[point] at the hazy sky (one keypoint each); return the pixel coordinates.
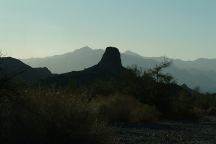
(175, 28)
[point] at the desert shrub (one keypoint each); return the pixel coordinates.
(205, 103)
(101, 87)
(182, 107)
(119, 108)
(50, 116)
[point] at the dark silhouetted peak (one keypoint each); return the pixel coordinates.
(44, 70)
(11, 67)
(110, 67)
(111, 59)
(11, 64)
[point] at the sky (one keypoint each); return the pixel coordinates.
(184, 29)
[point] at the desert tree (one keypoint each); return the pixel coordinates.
(157, 72)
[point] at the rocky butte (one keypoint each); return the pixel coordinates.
(109, 67)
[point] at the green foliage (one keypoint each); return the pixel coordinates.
(157, 72)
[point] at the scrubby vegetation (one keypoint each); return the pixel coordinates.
(138, 90)
(51, 116)
(84, 114)
(119, 108)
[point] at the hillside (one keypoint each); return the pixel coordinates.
(15, 69)
(100, 103)
(199, 73)
(109, 67)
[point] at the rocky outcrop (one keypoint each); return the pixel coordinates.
(111, 59)
(109, 67)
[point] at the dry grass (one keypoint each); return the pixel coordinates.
(120, 108)
(50, 116)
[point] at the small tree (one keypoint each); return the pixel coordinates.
(157, 74)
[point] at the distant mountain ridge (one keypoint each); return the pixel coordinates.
(73, 61)
(198, 73)
(109, 67)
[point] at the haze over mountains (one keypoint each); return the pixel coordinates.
(108, 68)
(198, 73)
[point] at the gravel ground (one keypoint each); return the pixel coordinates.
(203, 132)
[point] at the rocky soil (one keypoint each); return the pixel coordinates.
(203, 132)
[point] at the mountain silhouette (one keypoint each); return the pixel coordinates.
(73, 61)
(11, 68)
(109, 67)
(111, 60)
(83, 58)
(198, 73)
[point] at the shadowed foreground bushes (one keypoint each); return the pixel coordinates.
(77, 114)
(151, 92)
(48, 116)
(120, 108)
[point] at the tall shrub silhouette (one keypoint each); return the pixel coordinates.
(51, 116)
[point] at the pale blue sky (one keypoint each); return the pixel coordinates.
(175, 28)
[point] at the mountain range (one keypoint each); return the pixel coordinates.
(198, 73)
(108, 68)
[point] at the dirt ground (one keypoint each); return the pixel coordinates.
(170, 132)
